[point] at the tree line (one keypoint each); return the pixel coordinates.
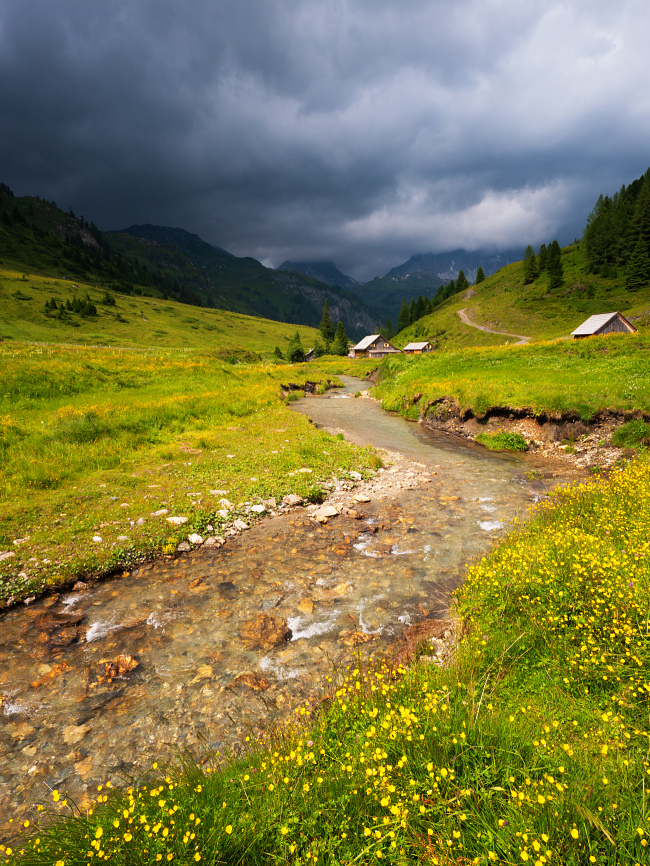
(617, 234)
(549, 260)
(335, 341)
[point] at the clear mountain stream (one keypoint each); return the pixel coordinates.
(97, 684)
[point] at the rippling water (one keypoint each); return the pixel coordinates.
(73, 714)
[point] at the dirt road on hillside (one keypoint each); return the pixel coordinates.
(466, 320)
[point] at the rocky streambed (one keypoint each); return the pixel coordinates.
(212, 645)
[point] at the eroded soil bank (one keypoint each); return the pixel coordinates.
(566, 437)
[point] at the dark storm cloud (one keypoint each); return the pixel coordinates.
(359, 130)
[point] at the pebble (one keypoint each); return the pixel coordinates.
(258, 509)
(177, 521)
(97, 538)
(6, 554)
(195, 538)
(158, 513)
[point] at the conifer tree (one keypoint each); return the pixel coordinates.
(326, 324)
(295, 352)
(388, 332)
(420, 307)
(412, 312)
(461, 282)
(480, 275)
(530, 269)
(529, 253)
(340, 344)
(637, 273)
(404, 319)
(554, 266)
(543, 255)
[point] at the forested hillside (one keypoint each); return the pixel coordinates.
(617, 235)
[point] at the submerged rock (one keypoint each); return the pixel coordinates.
(253, 681)
(265, 631)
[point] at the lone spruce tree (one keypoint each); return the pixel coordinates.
(326, 325)
(461, 282)
(480, 275)
(340, 344)
(295, 352)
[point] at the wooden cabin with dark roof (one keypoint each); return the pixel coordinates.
(373, 346)
(604, 323)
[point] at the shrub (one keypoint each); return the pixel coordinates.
(632, 434)
(503, 441)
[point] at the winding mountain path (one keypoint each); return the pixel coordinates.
(521, 341)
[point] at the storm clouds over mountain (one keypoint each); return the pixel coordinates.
(358, 131)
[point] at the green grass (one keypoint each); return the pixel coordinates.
(632, 434)
(549, 378)
(502, 441)
(530, 746)
(94, 440)
(134, 321)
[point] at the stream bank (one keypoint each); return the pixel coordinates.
(563, 437)
(219, 643)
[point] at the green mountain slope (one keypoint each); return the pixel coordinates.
(128, 320)
(239, 284)
(37, 237)
(504, 303)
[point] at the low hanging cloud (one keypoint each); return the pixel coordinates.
(357, 130)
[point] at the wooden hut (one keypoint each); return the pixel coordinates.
(604, 323)
(373, 346)
(418, 348)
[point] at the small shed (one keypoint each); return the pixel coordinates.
(604, 323)
(418, 348)
(373, 346)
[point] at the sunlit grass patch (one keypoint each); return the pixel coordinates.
(547, 378)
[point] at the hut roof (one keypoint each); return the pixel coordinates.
(414, 347)
(367, 341)
(594, 323)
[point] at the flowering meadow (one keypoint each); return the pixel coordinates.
(531, 746)
(98, 446)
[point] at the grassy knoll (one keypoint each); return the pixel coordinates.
(502, 302)
(133, 320)
(581, 376)
(96, 440)
(531, 746)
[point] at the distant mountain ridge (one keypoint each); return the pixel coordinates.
(447, 266)
(422, 274)
(326, 272)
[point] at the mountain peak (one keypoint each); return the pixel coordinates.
(326, 272)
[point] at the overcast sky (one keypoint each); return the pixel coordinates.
(355, 130)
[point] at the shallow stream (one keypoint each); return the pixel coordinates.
(75, 710)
